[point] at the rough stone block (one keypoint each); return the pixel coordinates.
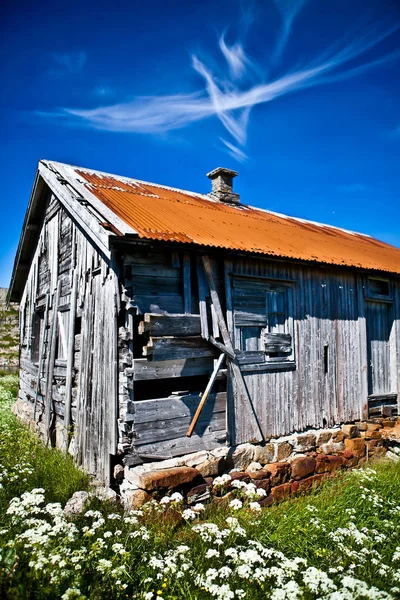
(323, 438)
(302, 466)
(304, 443)
(351, 431)
(134, 499)
(262, 474)
(264, 454)
(241, 456)
(332, 447)
(166, 479)
(283, 450)
(212, 466)
(253, 468)
(362, 425)
(192, 460)
(374, 426)
(373, 435)
(321, 464)
(297, 487)
(338, 436)
(264, 484)
(280, 492)
(279, 473)
(356, 446)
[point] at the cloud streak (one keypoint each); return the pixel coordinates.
(231, 98)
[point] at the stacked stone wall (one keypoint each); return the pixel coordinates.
(282, 467)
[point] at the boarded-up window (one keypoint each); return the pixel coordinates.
(263, 320)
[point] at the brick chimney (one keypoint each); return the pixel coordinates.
(222, 185)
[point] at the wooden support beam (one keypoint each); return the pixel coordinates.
(221, 347)
(205, 395)
(187, 290)
(202, 300)
(51, 363)
(70, 359)
(43, 342)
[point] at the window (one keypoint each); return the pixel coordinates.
(37, 335)
(263, 322)
(378, 288)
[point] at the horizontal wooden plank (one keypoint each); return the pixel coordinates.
(250, 357)
(172, 429)
(146, 411)
(144, 369)
(170, 348)
(184, 445)
(179, 325)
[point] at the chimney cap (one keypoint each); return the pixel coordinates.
(221, 171)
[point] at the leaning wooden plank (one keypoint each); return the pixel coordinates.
(179, 325)
(221, 347)
(70, 358)
(205, 395)
(170, 348)
(144, 369)
(42, 354)
(51, 362)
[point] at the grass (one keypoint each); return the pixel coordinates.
(340, 542)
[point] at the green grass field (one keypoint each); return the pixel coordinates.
(340, 542)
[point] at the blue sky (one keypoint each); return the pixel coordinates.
(302, 98)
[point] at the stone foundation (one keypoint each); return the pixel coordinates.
(282, 467)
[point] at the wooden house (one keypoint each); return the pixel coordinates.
(137, 298)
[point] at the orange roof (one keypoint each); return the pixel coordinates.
(161, 213)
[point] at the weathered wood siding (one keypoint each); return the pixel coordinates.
(326, 385)
(299, 333)
(72, 370)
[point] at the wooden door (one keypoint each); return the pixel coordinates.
(379, 326)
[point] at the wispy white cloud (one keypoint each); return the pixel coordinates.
(236, 57)
(231, 94)
(234, 151)
(68, 63)
(289, 10)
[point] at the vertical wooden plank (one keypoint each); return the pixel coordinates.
(187, 291)
(70, 358)
(51, 363)
(202, 300)
(42, 353)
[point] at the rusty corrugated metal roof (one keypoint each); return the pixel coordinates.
(161, 213)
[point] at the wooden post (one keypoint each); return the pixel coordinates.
(205, 395)
(70, 360)
(51, 362)
(187, 291)
(41, 355)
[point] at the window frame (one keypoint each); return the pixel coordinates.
(258, 360)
